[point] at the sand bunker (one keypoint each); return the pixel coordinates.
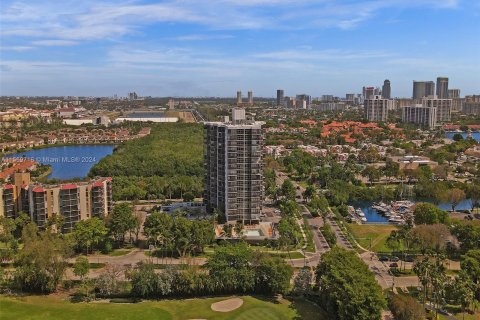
(227, 305)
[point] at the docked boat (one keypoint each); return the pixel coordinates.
(380, 207)
(397, 219)
(360, 213)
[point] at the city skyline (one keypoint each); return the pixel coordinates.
(205, 48)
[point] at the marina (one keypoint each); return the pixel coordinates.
(394, 212)
(397, 212)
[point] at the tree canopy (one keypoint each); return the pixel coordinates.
(347, 288)
(166, 163)
(427, 213)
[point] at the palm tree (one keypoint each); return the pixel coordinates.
(227, 229)
(422, 269)
(464, 289)
(438, 279)
(238, 228)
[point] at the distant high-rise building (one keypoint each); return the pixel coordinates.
(429, 88)
(442, 88)
(330, 106)
(368, 92)
(132, 96)
(386, 89)
(250, 98)
(453, 93)
(290, 102)
(376, 108)
(350, 96)
(280, 97)
(443, 106)
(233, 168)
(472, 105)
(473, 98)
(422, 89)
(301, 104)
(419, 114)
(471, 108)
(239, 97)
(305, 97)
(327, 98)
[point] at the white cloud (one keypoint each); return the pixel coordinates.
(202, 37)
(16, 48)
(315, 55)
(90, 20)
(54, 43)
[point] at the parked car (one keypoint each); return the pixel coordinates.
(409, 258)
(383, 258)
(394, 259)
(394, 265)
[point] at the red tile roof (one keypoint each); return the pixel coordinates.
(69, 186)
(18, 166)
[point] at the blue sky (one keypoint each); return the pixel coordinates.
(213, 48)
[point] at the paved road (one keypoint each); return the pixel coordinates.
(379, 269)
(384, 279)
(137, 255)
(314, 223)
(341, 238)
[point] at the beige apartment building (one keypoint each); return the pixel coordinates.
(376, 108)
(444, 107)
(73, 201)
(418, 114)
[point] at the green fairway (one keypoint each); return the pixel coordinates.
(374, 234)
(53, 308)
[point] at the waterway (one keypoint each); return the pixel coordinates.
(68, 162)
(475, 135)
(373, 216)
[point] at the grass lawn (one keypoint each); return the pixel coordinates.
(459, 316)
(378, 233)
(308, 233)
(53, 308)
(287, 255)
(293, 254)
(118, 253)
(93, 265)
(303, 184)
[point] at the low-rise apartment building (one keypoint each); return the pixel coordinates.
(73, 201)
(421, 115)
(376, 108)
(471, 108)
(443, 106)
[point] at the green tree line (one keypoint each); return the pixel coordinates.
(167, 163)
